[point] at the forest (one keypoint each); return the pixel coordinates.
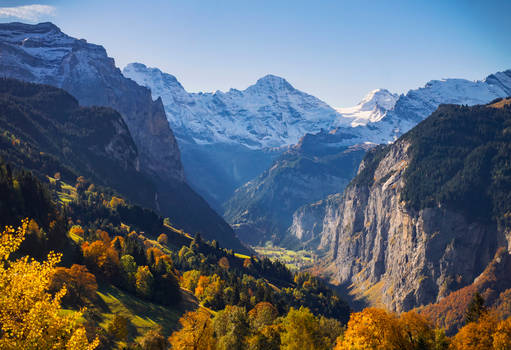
(72, 241)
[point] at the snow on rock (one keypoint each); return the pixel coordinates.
(371, 109)
(270, 113)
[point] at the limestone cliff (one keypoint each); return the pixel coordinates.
(425, 215)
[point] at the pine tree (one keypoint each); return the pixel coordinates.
(475, 309)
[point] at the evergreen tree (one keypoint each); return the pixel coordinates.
(475, 309)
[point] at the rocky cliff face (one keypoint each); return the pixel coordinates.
(398, 257)
(404, 256)
(307, 225)
(43, 54)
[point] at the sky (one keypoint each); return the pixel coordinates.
(335, 50)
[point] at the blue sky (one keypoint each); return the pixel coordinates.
(335, 50)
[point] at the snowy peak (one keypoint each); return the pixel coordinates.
(271, 83)
(371, 109)
(419, 103)
(379, 98)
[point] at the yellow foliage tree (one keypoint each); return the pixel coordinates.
(372, 328)
(196, 332)
(502, 336)
(476, 335)
(487, 333)
(30, 317)
(116, 201)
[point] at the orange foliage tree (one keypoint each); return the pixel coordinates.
(101, 257)
(80, 283)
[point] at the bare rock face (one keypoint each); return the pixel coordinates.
(308, 221)
(43, 54)
(396, 256)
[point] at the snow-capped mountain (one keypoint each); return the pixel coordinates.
(270, 113)
(371, 109)
(373, 121)
(420, 103)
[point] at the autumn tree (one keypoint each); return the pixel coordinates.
(331, 329)
(372, 328)
(209, 290)
(196, 332)
(476, 335)
(502, 335)
(99, 256)
(80, 284)
(76, 230)
(30, 317)
(190, 279)
(302, 331)
(224, 263)
(263, 314)
(144, 281)
(116, 201)
(417, 331)
(154, 340)
(128, 272)
(267, 338)
(118, 327)
(231, 328)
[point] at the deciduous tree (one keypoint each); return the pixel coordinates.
(30, 317)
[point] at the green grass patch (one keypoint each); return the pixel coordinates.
(293, 259)
(143, 315)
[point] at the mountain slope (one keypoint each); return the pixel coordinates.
(425, 215)
(45, 130)
(262, 209)
(43, 54)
